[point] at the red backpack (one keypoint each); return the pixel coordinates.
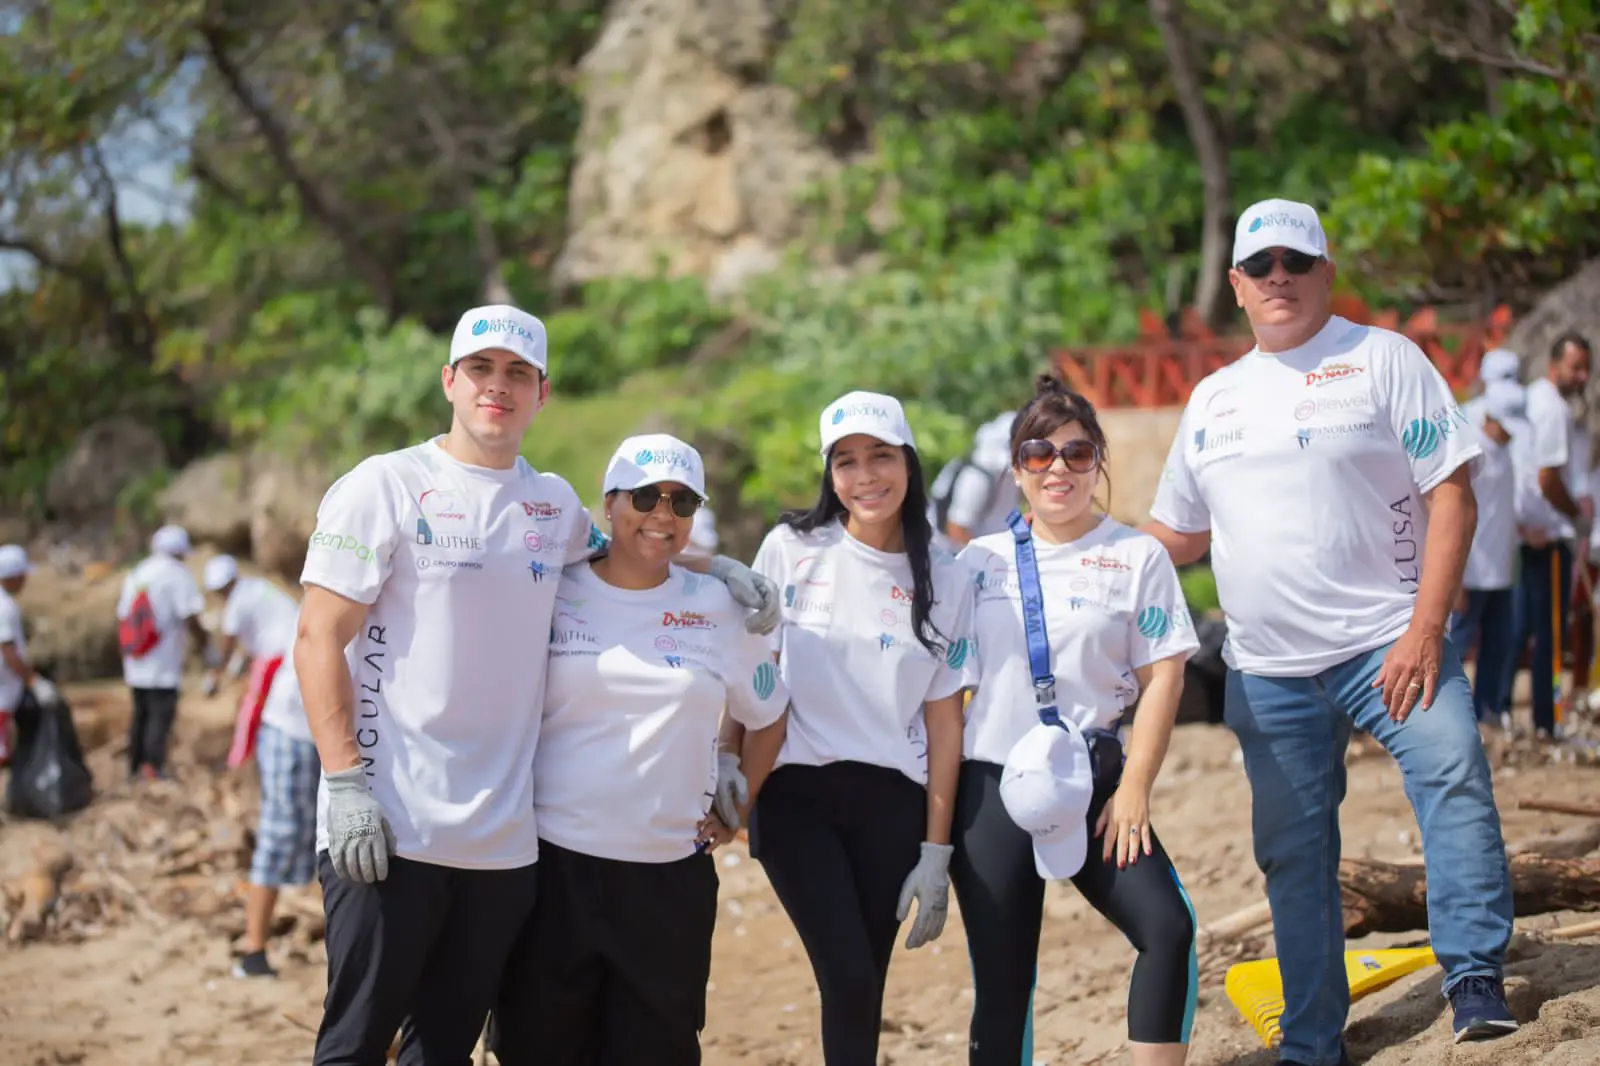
(138, 633)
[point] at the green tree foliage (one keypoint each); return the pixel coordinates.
(1019, 175)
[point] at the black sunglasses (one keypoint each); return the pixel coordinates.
(685, 502)
(1260, 264)
(1037, 456)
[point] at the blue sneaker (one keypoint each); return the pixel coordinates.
(1480, 1009)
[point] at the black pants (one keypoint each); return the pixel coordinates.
(837, 843)
(148, 733)
(425, 946)
(1540, 609)
(611, 968)
(1001, 897)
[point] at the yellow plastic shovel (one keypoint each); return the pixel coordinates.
(1256, 988)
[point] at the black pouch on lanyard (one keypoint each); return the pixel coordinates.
(1105, 747)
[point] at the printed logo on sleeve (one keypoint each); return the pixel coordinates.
(955, 654)
(1154, 623)
(341, 542)
(1421, 438)
(765, 681)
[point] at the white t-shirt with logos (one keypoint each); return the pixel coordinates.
(1494, 544)
(857, 675)
(1309, 468)
(1550, 444)
(638, 679)
(11, 685)
(175, 598)
(261, 616)
(460, 565)
(1112, 605)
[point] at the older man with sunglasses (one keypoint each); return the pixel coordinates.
(1328, 473)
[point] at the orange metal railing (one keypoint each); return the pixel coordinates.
(1159, 370)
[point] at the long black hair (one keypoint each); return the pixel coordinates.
(914, 528)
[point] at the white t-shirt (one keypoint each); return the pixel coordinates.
(1309, 468)
(857, 675)
(11, 633)
(1550, 444)
(1112, 604)
(638, 679)
(175, 598)
(460, 565)
(1494, 544)
(261, 616)
(284, 710)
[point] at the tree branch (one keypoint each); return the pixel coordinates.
(143, 333)
(311, 198)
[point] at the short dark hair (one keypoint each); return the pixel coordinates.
(1054, 405)
(1572, 337)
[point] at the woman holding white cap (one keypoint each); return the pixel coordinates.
(1044, 771)
(611, 968)
(854, 823)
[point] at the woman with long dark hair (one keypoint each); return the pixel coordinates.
(1045, 791)
(853, 825)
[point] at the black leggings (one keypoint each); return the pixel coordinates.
(1001, 897)
(837, 843)
(153, 712)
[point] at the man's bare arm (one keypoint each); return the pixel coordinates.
(1554, 488)
(1184, 548)
(1452, 523)
(328, 623)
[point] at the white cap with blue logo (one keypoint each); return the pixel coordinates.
(500, 326)
(1279, 224)
(1047, 787)
(872, 413)
(652, 458)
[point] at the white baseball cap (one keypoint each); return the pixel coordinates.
(170, 540)
(1047, 786)
(500, 326)
(653, 458)
(1279, 224)
(872, 413)
(14, 562)
(703, 533)
(1506, 402)
(1499, 364)
(219, 572)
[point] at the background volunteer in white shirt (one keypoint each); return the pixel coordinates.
(1328, 471)
(1553, 520)
(854, 823)
(1117, 626)
(259, 618)
(430, 587)
(977, 487)
(160, 599)
(1497, 365)
(16, 670)
(644, 656)
(1484, 616)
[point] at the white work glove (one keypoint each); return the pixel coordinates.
(44, 690)
(208, 685)
(359, 838)
(733, 791)
(749, 589)
(929, 885)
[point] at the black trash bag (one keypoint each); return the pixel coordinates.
(48, 775)
(1205, 675)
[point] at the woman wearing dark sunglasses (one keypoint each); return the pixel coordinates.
(854, 824)
(644, 656)
(1117, 627)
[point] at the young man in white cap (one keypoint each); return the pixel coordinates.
(1555, 516)
(158, 612)
(1328, 471)
(259, 618)
(437, 567)
(973, 494)
(1484, 611)
(16, 671)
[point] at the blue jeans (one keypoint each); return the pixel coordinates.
(1491, 622)
(1538, 622)
(1293, 732)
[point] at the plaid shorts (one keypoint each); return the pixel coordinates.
(286, 836)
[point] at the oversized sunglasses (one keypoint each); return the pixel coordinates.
(685, 502)
(1260, 264)
(1037, 456)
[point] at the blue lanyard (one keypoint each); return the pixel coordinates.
(1044, 681)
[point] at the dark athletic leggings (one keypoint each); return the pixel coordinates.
(837, 843)
(1002, 903)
